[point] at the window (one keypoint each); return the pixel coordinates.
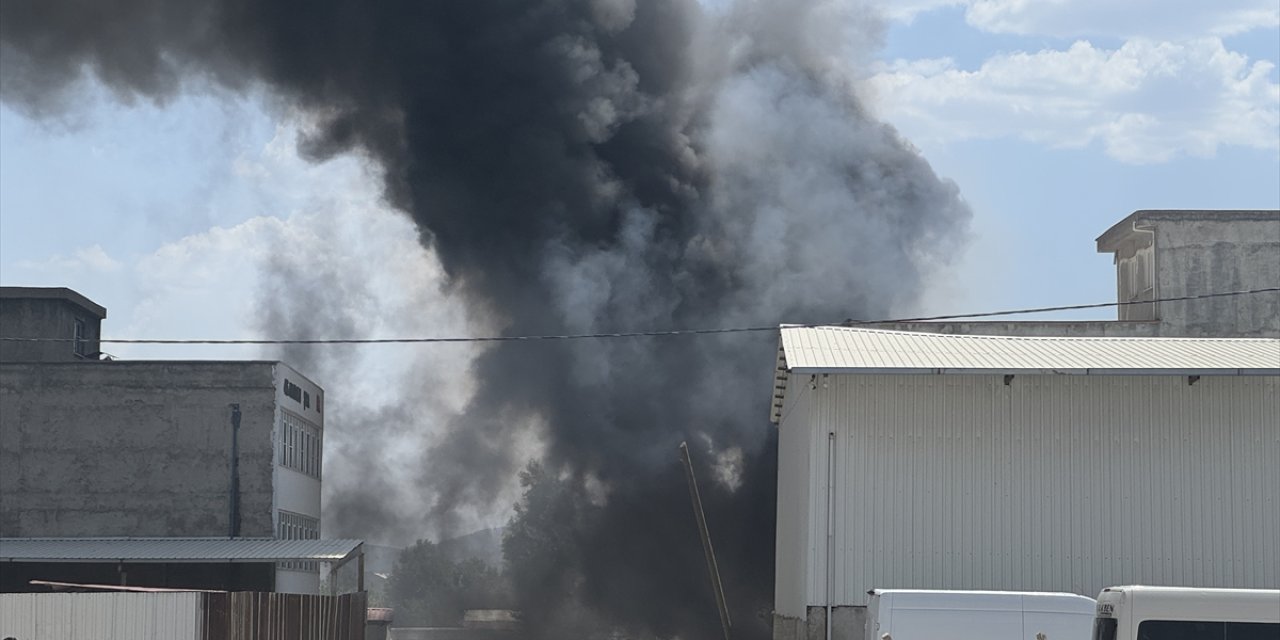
(301, 445)
(295, 526)
(80, 344)
(1195, 630)
(1104, 629)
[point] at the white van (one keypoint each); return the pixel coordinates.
(1184, 613)
(914, 614)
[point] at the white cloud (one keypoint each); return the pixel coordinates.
(1148, 101)
(92, 258)
(905, 11)
(1130, 18)
(1171, 19)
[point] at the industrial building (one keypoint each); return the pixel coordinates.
(217, 454)
(1041, 456)
(1163, 254)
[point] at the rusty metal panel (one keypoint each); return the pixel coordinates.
(1046, 483)
(102, 616)
(284, 616)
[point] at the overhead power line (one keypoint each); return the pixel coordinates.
(652, 333)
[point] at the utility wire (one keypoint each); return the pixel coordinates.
(639, 334)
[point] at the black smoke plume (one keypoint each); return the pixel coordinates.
(579, 166)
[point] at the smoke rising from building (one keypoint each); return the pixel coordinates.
(577, 166)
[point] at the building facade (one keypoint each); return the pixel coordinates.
(99, 448)
(69, 323)
(929, 461)
(987, 473)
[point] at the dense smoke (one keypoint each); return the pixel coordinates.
(577, 166)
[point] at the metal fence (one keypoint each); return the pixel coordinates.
(182, 616)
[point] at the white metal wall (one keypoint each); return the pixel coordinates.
(100, 616)
(794, 512)
(1053, 483)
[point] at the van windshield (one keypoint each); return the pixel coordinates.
(1104, 629)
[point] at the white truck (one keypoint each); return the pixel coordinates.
(1184, 613)
(917, 614)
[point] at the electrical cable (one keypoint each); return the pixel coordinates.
(639, 334)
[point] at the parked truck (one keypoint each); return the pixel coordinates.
(917, 614)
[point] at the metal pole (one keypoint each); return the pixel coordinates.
(360, 570)
(831, 531)
(712, 569)
(234, 516)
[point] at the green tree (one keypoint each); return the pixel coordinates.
(428, 588)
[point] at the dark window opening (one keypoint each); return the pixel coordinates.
(292, 390)
(80, 344)
(1104, 629)
(1197, 630)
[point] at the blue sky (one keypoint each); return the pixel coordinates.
(1055, 119)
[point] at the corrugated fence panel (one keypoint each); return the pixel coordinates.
(100, 616)
(283, 616)
(1049, 483)
(181, 616)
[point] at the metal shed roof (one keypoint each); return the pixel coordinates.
(192, 550)
(849, 350)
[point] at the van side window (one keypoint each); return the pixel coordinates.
(1187, 630)
(1252, 631)
(1179, 630)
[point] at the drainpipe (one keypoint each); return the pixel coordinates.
(234, 489)
(831, 530)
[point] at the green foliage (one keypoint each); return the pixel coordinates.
(427, 588)
(538, 542)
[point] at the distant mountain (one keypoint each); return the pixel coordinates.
(484, 545)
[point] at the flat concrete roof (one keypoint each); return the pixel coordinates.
(1110, 239)
(53, 293)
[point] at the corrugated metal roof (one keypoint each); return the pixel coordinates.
(847, 349)
(195, 550)
(876, 351)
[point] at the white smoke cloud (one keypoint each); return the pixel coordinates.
(1147, 101)
(328, 231)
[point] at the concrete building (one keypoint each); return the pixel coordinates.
(176, 449)
(70, 324)
(910, 460)
(1172, 254)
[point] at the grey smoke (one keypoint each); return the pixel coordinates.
(577, 166)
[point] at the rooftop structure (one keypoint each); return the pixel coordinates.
(1180, 253)
(68, 324)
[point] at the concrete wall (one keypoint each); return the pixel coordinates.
(1199, 256)
(1065, 329)
(1162, 254)
(134, 448)
(45, 318)
(847, 623)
